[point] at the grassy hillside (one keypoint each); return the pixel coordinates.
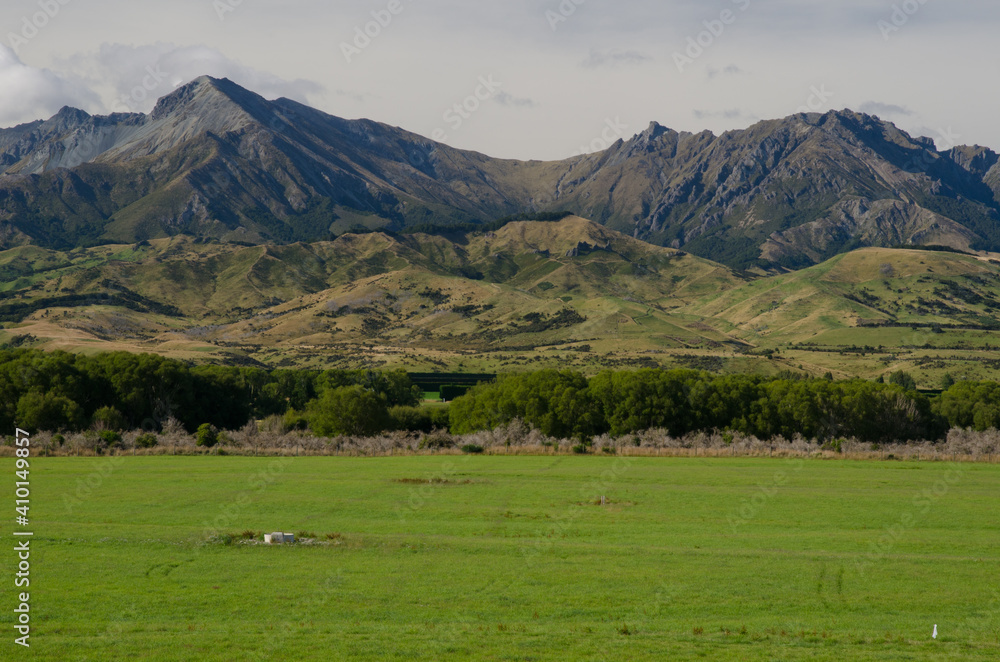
(530, 294)
(526, 286)
(865, 287)
(870, 310)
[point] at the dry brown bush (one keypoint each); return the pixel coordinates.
(269, 437)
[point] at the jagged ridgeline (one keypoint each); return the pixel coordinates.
(214, 160)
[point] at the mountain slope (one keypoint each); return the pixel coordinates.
(870, 288)
(527, 284)
(561, 294)
(215, 160)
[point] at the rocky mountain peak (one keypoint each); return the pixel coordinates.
(216, 160)
(69, 115)
(207, 95)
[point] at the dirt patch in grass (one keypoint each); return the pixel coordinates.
(250, 537)
(431, 481)
(605, 502)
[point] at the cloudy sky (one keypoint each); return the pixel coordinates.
(524, 79)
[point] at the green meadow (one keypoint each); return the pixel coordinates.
(510, 558)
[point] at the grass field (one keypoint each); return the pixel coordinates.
(512, 558)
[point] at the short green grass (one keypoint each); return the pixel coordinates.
(512, 558)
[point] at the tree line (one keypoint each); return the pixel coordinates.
(116, 391)
(567, 404)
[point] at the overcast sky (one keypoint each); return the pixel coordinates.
(553, 77)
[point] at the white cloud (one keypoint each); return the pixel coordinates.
(506, 99)
(358, 97)
(728, 114)
(30, 93)
(768, 60)
(613, 58)
(886, 109)
(132, 78)
(731, 70)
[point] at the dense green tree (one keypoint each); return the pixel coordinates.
(221, 395)
(645, 399)
(971, 405)
(904, 379)
(727, 401)
(348, 410)
(48, 411)
(284, 390)
(394, 386)
(557, 403)
(148, 388)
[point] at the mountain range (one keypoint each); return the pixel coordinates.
(216, 161)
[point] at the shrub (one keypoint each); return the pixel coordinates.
(146, 440)
(294, 420)
(835, 445)
(472, 449)
(108, 418)
(440, 418)
(436, 441)
(418, 419)
(207, 435)
(411, 419)
(110, 437)
(580, 449)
